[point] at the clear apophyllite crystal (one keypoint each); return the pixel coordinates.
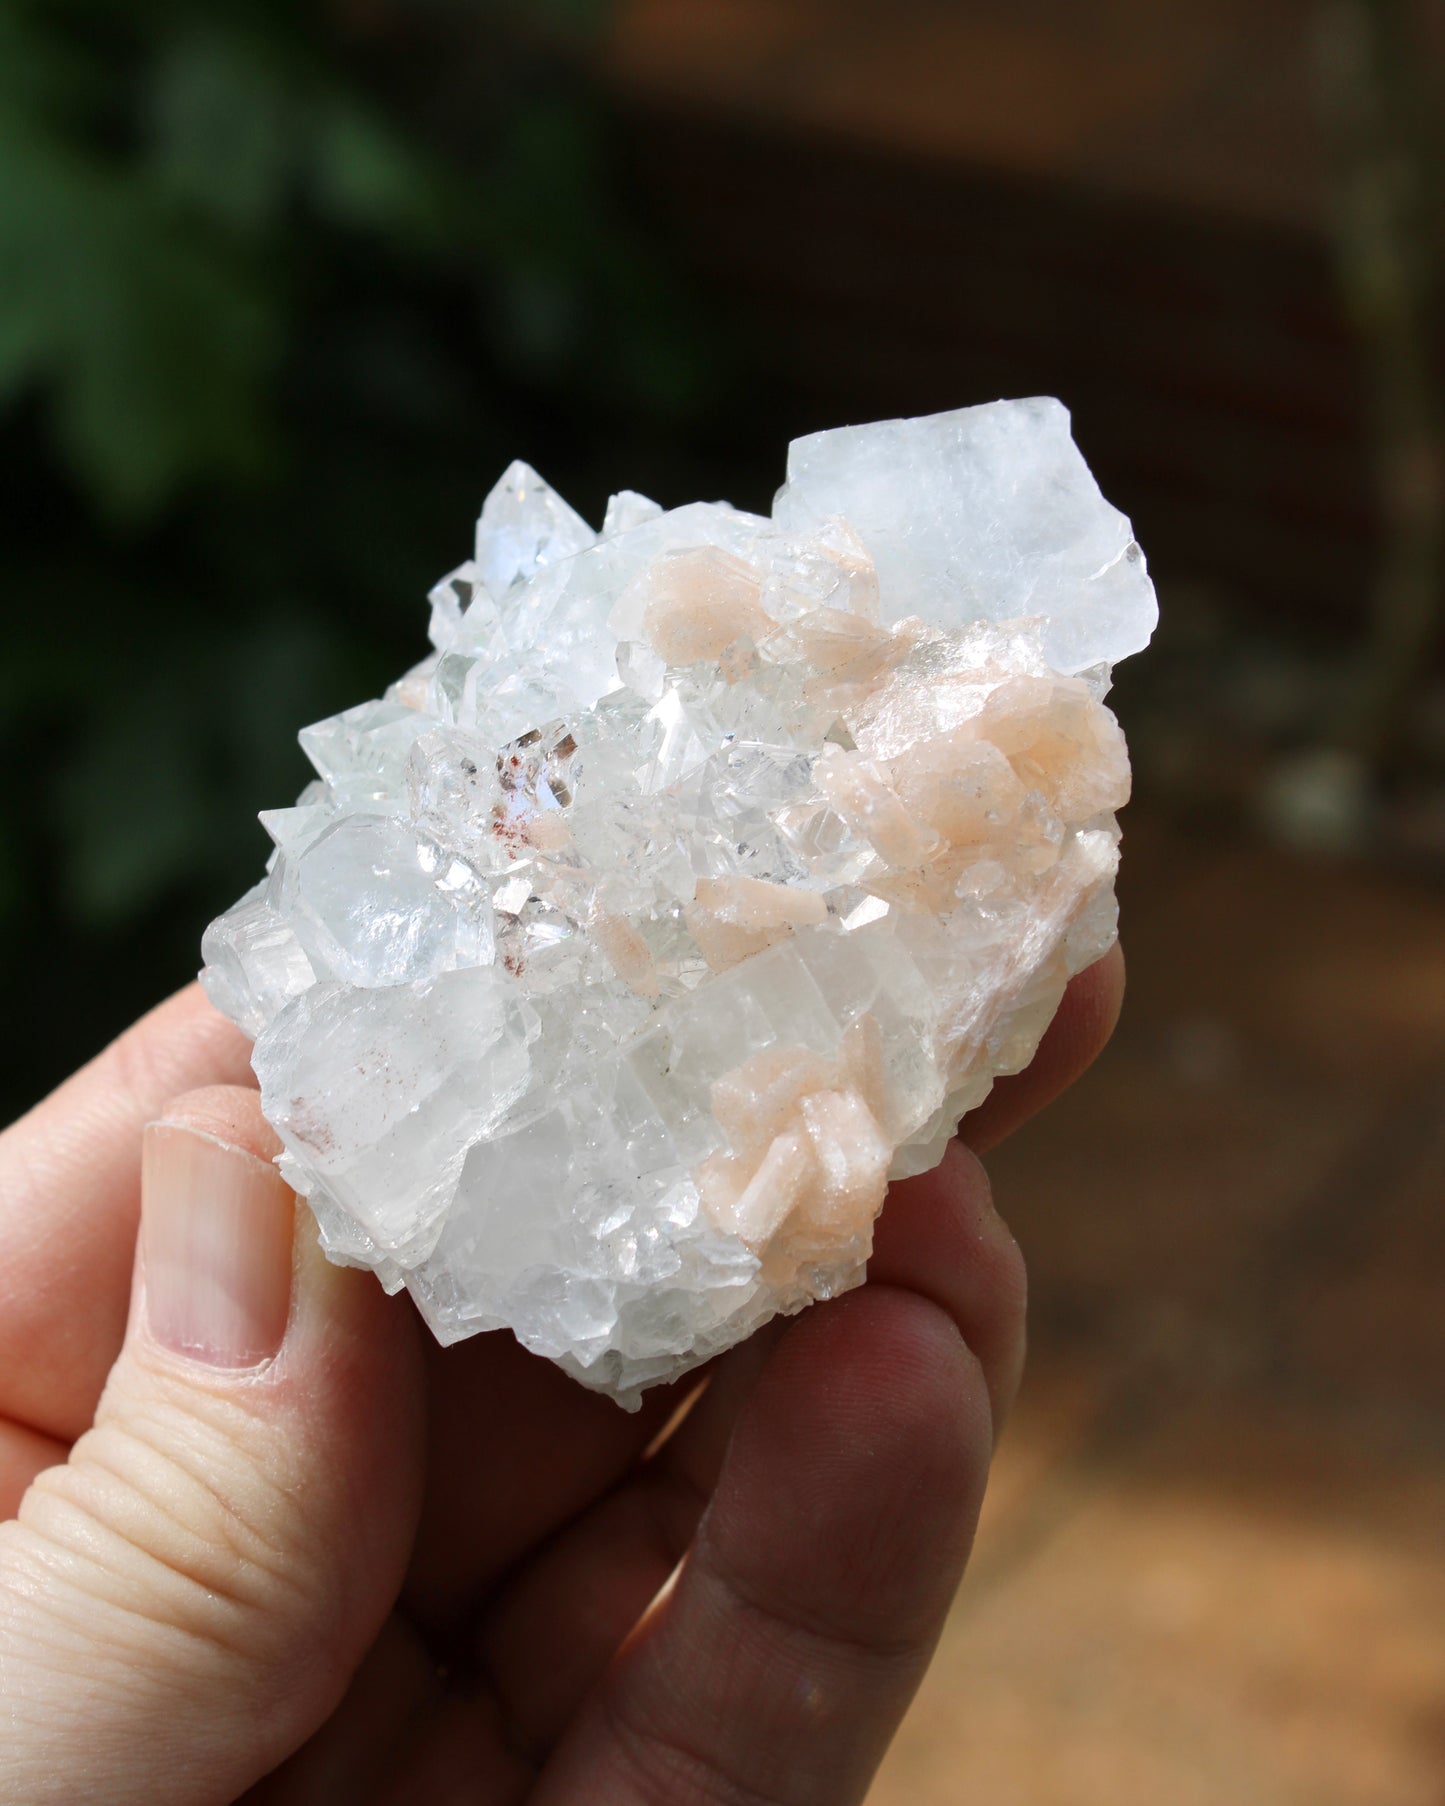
(709, 869)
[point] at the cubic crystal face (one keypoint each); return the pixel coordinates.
(709, 869)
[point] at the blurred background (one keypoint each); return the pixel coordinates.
(281, 291)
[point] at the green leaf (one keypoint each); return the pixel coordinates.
(363, 174)
(157, 340)
(225, 132)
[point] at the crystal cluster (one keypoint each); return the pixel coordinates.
(706, 872)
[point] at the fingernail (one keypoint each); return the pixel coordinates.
(216, 1228)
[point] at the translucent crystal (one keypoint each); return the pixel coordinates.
(524, 524)
(701, 878)
(985, 514)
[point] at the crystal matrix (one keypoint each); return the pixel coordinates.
(710, 868)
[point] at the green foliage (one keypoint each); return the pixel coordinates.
(278, 297)
(147, 257)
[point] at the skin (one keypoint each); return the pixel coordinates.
(378, 1571)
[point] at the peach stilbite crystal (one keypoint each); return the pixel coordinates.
(701, 878)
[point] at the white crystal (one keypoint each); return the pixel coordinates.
(987, 514)
(704, 875)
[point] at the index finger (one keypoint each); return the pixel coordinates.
(780, 1662)
(1075, 1038)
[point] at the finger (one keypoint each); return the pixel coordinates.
(561, 1619)
(1074, 1039)
(941, 1237)
(23, 1455)
(515, 1450)
(400, 1734)
(70, 1202)
(185, 1600)
(778, 1665)
(558, 1623)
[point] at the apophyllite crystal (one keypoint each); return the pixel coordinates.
(707, 871)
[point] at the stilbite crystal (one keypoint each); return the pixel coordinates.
(701, 878)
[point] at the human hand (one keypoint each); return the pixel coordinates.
(260, 1533)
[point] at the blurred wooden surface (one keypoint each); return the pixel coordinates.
(913, 204)
(1204, 103)
(1212, 1570)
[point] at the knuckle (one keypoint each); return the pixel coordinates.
(162, 1053)
(175, 1531)
(137, 1062)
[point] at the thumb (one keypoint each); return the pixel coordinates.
(185, 1600)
